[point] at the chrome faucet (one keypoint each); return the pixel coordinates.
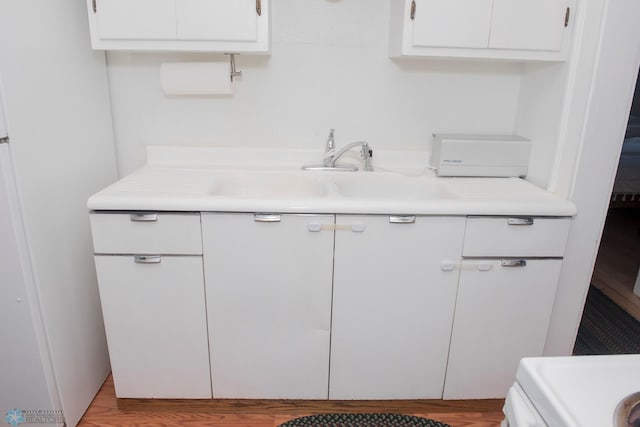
(331, 156)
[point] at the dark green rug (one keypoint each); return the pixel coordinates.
(362, 420)
(606, 328)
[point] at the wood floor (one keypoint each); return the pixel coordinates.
(619, 259)
(106, 410)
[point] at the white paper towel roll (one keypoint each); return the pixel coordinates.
(196, 78)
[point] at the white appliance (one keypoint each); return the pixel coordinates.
(480, 155)
(578, 391)
(56, 149)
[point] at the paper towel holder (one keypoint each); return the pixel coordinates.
(232, 63)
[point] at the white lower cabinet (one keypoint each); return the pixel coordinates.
(393, 301)
(268, 286)
(502, 314)
(155, 320)
(288, 306)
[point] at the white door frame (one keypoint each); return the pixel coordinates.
(603, 71)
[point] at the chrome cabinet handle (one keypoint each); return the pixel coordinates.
(402, 219)
(413, 10)
(147, 259)
(513, 262)
(528, 220)
(144, 217)
(259, 7)
(260, 217)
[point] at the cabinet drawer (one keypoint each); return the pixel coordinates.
(146, 233)
(516, 236)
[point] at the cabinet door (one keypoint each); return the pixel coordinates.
(227, 20)
(268, 283)
(502, 315)
(452, 23)
(393, 302)
(528, 24)
(136, 19)
(155, 321)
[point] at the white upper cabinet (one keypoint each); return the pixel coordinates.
(136, 19)
(528, 24)
(230, 20)
(453, 23)
(517, 30)
(180, 25)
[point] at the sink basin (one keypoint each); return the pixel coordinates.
(268, 185)
(372, 185)
(300, 184)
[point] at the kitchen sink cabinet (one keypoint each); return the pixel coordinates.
(268, 286)
(154, 314)
(500, 29)
(180, 25)
(149, 268)
(394, 293)
(502, 315)
(506, 291)
(317, 306)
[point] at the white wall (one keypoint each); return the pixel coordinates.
(540, 107)
(329, 67)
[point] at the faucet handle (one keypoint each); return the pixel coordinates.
(367, 153)
(330, 141)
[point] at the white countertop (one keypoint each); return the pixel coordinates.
(255, 180)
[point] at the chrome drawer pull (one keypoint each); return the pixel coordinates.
(402, 219)
(520, 221)
(513, 262)
(266, 217)
(147, 259)
(144, 217)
